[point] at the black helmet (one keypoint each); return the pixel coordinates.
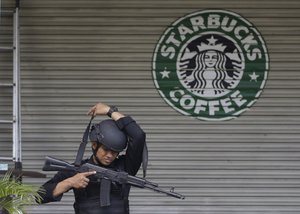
(108, 134)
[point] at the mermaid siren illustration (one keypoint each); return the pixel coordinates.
(212, 69)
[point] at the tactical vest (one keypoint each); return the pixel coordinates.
(92, 206)
(87, 201)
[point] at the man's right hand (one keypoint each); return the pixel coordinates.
(80, 180)
(98, 109)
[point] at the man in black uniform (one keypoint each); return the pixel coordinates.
(108, 138)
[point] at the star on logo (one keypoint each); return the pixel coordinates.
(212, 41)
(165, 73)
(253, 76)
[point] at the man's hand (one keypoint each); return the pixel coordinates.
(102, 109)
(80, 180)
(98, 109)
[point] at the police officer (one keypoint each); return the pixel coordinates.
(108, 138)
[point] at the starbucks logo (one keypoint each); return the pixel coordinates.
(211, 65)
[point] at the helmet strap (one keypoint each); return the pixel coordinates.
(95, 153)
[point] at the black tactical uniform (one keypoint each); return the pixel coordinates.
(87, 200)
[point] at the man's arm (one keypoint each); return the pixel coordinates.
(78, 181)
(62, 182)
(136, 142)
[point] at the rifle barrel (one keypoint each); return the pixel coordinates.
(169, 193)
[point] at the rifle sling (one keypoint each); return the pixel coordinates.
(145, 160)
(83, 143)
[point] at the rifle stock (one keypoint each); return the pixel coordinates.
(54, 164)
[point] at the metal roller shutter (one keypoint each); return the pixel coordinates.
(76, 53)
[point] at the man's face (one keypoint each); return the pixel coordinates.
(105, 155)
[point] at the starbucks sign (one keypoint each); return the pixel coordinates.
(211, 65)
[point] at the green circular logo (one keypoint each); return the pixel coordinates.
(211, 65)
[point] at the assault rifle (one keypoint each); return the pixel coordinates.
(107, 175)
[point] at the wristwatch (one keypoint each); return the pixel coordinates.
(111, 110)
